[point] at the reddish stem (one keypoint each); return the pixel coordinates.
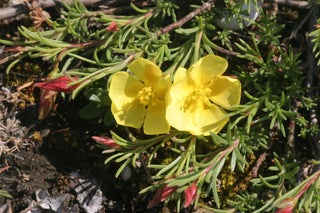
(175, 25)
(223, 154)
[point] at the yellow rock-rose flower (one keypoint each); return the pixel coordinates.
(198, 95)
(139, 99)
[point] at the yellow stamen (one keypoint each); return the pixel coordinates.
(199, 94)
(146, 96)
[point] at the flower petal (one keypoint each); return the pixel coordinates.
(179, 119)
(214, 127)
(180, 74)
(124, 89)
(191, 100)
(207, 68)
(181, 88)
(175, 101)
(198, 119)
(226, 91)
(207, 118)
(131, 115)
(146, 71)
(155, 121)
(162, 87)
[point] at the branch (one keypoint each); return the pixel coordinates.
(292, 3)
(175, 25)
(258, 164)
(292, 126)
(13, 11)
(311, 72)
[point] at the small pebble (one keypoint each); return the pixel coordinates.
(126, 173)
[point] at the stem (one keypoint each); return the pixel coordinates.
(88, 44)
(307, 185)
(13, 11)
(175, 25)
(255, 169)
(292, 126)
(186, 155)
(10, 57)
(145, 16)
(222, 155)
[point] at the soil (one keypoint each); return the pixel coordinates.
(58, 153)
(50, 152)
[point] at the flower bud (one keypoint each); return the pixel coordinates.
(58, 85)
(113, 27)
(161, 195)
(106, 141)
(190, 194)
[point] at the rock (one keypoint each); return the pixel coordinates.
(6, 208)
(126, 173)
(46, 203)
(88, 193)
(233, 24)
(57, 204)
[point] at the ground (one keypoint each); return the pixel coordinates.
(50, 151)
(58, 153)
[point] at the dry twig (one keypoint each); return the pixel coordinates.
(293, 3)
(260, 160)
(13, 11)
(205, 6)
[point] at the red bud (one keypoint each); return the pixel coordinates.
(288, 205)
(106, 141)
(161, 195)
(190, 194)
(47, 98)
(113, 27)
(58, 85)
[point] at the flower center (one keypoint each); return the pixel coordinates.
(202, 92)
(199, 94)
(145, 95)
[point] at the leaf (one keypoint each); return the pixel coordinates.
(240, 157)
(108, 118)
(272, 186)
(187, 31)
(5, 194)
(183, 180)
(92, 110)
(233, 161)
(122, 167)
(172, 164)
(292, 173)
(112, 157)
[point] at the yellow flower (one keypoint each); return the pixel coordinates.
(139, 99)
(198, 95)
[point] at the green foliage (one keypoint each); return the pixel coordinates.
(5, 194)
(84, 44)
(99, 102)
(316, 40)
